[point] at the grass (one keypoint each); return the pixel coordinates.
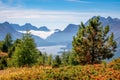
(3, 54)
(87, 72)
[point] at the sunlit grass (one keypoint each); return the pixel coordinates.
(87, 72)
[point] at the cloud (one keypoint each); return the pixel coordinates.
(52, 19)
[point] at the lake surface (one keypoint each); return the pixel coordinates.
(54, 50)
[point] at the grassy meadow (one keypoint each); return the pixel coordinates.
(104, 71)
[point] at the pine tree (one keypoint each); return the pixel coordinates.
(65, 57)
(25, 52)
(92, 44)
(7, 43)
(58, 59)
(11, 50)
(50, 59)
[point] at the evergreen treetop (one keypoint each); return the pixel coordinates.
(92, 43)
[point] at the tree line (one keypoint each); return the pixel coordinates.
(91, 45)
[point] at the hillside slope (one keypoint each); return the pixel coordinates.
(87, 72)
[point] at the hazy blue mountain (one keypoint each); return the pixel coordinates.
(16, 27)
(57, 30)
(25, 27)
(43, 28)
(41, 42)
(114, 24)
(28, 26)
(65, 36)
(7, 28)
(71, 28)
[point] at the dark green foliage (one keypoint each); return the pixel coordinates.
(50, 59)
(92, 44)
(56, 61)
(65, 58)
(43, 59)
(24, 52)
(68, 58)
(1, 45)
(3, 62)
(7, 43)
(12, 48)
(71, 58)
(55, 65)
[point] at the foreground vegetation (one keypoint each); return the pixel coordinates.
(80, 72)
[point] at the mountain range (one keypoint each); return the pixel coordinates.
(14, 28)
(67, 34)
(7, 28)
(28, 26)
(58, 37)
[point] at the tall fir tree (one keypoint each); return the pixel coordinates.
(25, 52)
(50, 59)
(7, 43)
(92, 43)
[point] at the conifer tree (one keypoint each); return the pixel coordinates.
(92, 43)
(65, 57)
(25, 52)
(7, 43)
(50, 59)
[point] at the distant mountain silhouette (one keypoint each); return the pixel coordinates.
(43, 28)
(16, 27)
(8, 28)
(57, 30)
(29, 26)
(64, 36)
(71, 28)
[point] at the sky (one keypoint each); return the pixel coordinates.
(56, 14)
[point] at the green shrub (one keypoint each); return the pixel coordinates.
(115, 64)
(3, 62)
(55, 65)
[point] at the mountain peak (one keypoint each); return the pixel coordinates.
(109, 18)
(71, 25)
(6, 23)
(27, 24)
(44, 28)
(57, 30)
(71, 28)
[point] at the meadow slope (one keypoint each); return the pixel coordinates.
(80, 72)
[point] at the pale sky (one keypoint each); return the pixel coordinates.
(56, 13)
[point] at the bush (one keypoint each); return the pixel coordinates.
(55, 65)
(3, 62)
(115, 64)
